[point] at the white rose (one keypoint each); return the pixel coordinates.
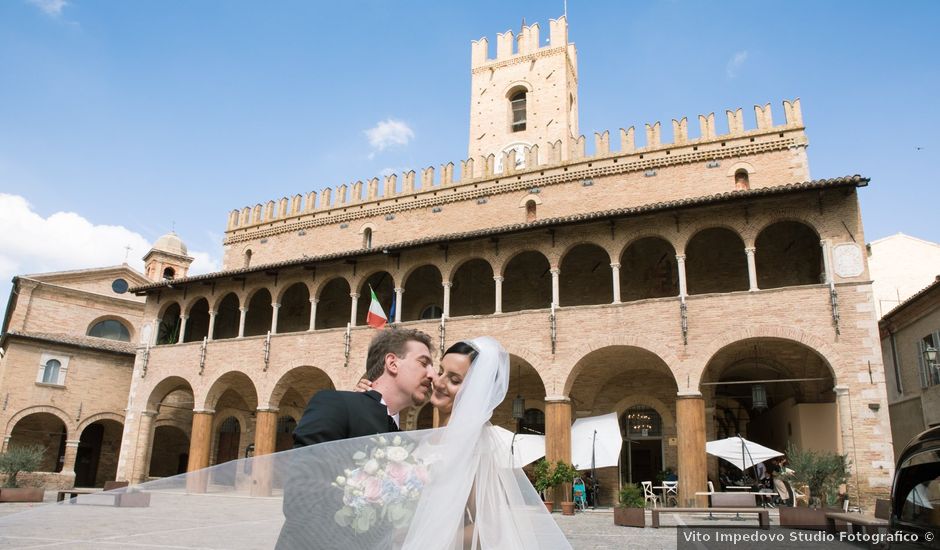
(340, 480)
(397, 440)
(396, 454)
(370, 467)
(379, 454)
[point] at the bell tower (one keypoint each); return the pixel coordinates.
(527, 96)
(168, 259)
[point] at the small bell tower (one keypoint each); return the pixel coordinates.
(168, 259)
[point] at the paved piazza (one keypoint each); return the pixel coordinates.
(211, 522)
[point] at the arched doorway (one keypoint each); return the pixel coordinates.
(642, 452)
(170, 453)
(45, 430)
(96, 460)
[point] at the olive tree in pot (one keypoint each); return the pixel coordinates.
(631, 510)
(564, 476)
(17, 460)
(822, 472)
(550, 476)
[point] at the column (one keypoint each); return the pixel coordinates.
(156, 331)
(555, 272)
(399, 293)
(313, 313)
(183, 319)
(690, 431)
(7, 438)
(751, 268)
(499, 293)
(275, 308)
(615, 274)
(199, 442)
(355, 304)
(265, 443)
(137, 448)
(212, 314)
(680, 263)
(447, 285)
(558, 435)
(241, 321)
(68, 460)
(827, 262)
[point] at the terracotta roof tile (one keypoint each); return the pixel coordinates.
(88, 342)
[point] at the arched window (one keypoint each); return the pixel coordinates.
(741, 180)
(517, 103)
(641, 421)
(50, 373)
(168, 273)
(248, 258)
(367, 237)
(533, 421)
(433, 311)
(530, 211)
(110, 329)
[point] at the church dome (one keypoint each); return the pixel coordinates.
(170, 243)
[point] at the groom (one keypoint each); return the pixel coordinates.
(400, 366)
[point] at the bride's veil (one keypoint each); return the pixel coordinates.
(446, 488)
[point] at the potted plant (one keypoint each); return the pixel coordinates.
(822, 473)
(544, 480)
(564, 475)
(631, 508)
(15, 461)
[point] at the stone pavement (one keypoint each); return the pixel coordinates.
(232, 523)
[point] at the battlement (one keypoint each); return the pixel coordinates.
(527, 42)
(483, 168)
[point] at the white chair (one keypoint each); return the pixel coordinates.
(648, 493)
(671, 492)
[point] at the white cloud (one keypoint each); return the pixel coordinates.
(52, 8)
(735, 63)
(30, 243)
(388, 133)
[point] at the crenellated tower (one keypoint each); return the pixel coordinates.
(527, 96)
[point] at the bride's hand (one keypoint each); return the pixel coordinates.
(364, 385)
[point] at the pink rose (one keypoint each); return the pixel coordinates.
(397, 472)
(373, 490)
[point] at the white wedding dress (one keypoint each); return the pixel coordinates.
(448, 488)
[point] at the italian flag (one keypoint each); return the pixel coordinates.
(376, 317)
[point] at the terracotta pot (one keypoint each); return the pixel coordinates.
(22, 494)
(550, 504)
(567, 508)
(630, 517)
(801, 517)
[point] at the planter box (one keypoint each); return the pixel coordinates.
(630, 517)
(22, 494)
(801, 517)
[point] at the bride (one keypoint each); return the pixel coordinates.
(442, 489)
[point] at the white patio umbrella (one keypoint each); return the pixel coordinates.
(739, 451)
(596, 442)
(525, 448)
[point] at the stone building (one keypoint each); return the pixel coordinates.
(699, 287)
(68, 354)
(910, 338)
(901, 266)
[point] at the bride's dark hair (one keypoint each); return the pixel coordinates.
(463, 348)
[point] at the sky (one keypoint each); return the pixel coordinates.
(121, 121)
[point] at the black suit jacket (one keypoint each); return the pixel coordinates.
(335, 415)
(309, 500)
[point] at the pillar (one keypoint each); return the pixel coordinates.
(313, 313)
(615, 274)
(399, 293)
(558, 436)
(499, 293)
(355, 304)
(555, 272)
(262, 472)
(693, 463)
(845, 443)
(199, 442)
(183, 319)
(680, 263)
(137, 447)
(212, 314)
(275, 308)
(827, 261)
(156, 331)
(241, 321)
(68, 460)
(751, 268)
(447, 285)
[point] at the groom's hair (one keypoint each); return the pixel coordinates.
(391, 340)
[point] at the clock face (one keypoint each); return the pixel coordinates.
(848, 262)
(519, 148)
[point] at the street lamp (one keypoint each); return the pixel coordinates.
(930, 356)
(758, 397)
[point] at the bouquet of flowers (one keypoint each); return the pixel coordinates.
(384, 486)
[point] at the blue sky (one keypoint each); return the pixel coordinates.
(120, 120)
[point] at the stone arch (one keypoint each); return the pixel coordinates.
(99, 416)
(334, 303)
(569, 245)
(473, 290)
(788, 253)
(260, 311)
(234, 380)
(47, 429)
(681, 243)
(384, 284)
(585, 277)
(716, 261)
(306, 380)
(643, 343)
(110, 317)
(530, 197)
(460, 263)
(48, 409)
(646, 234)
(527, 281)
(784, 216)
(361, 280)
(423, 290)
(740, 165)
(517, 86)
(187, 305)
(169, 323)
(294, 313)
(227, 316)
(197, 324)
(165, 387)
(217, 302)
(367, 233)
(648, 269)
(793, 334)
(287, 284)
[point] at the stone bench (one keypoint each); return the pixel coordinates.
(763, 515)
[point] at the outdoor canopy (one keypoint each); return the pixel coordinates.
(739, 451)
(598, 437)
